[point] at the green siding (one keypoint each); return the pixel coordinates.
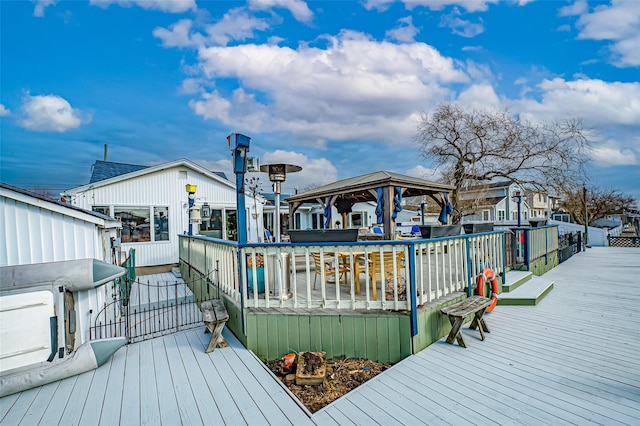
(383, 337)
(541, 266)
(432, 325)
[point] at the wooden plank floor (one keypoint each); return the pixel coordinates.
(572, 359)
(167, 380)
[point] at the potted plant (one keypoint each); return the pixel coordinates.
(259, 267)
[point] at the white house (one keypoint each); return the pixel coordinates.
(153, 205)
(496, 202)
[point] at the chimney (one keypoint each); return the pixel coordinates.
(106, 151)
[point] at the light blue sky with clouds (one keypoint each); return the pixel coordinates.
(336, 87)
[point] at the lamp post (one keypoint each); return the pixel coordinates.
(586, 215)
(517, 197)
(239, 146)
(277, 175)
(193, 212)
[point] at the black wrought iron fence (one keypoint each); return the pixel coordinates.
(153, 309)
(568, 245)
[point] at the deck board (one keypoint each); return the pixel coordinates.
(571, 359)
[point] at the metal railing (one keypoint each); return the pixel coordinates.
(152, 310)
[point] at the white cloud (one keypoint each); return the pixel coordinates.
(612, 154)
(298, 9)
(598, 102)
(4, 111)
(355, 88)
(178, 35)
(577, 8)
(236, 24)
(40, 6)
(223, 166)
(460, 26)
(49, 113)
(424, 173)
(315, 172)
(170, 6)
(479, 96)
(405, 32)
(468, 5)
(618, 22)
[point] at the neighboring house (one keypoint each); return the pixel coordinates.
(540, 204)
(153, 204)
(35, 229)
(311, 216)
(495, 202)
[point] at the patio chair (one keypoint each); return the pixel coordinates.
(329, 268)
(268, 237)
(378, 263)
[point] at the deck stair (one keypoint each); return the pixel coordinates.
(515, 279)
(529, 293)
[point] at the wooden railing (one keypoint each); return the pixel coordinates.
(385, 275)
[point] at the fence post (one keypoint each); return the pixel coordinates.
(527, 261)
(412, 289)
(504, 258)
(468, 247)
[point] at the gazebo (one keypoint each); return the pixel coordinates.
(378, 187)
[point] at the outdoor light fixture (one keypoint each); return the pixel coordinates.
(277, 175)
(518, 197)
(194, 212)
(239, 146)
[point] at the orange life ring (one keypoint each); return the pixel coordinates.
(488, 274)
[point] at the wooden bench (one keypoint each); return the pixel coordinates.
(215, 316)
(458, 312)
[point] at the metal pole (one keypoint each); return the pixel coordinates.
(241, 214)
(276, 225)
(191, 203)
(586, 215)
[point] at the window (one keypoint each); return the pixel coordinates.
(101, 209)
(514, 215)
(358, 219)
(161, 223)
(501, 215)
(211, 224)
(317, 221)
(485, 215)
(298, 219)
(135, 223)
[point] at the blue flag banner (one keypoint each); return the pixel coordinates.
(327, 213)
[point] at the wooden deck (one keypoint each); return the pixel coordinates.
(572, 359)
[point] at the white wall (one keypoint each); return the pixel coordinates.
(597, 236)
(166, 188)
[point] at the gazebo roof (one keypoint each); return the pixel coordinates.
(362, 188)
(344, 193)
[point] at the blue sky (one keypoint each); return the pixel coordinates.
(336, 87)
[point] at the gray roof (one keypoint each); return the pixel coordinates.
(53, 201)
(357, 189)
(102, 170)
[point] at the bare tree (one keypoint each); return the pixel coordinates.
(475, 147)
(600, 203)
